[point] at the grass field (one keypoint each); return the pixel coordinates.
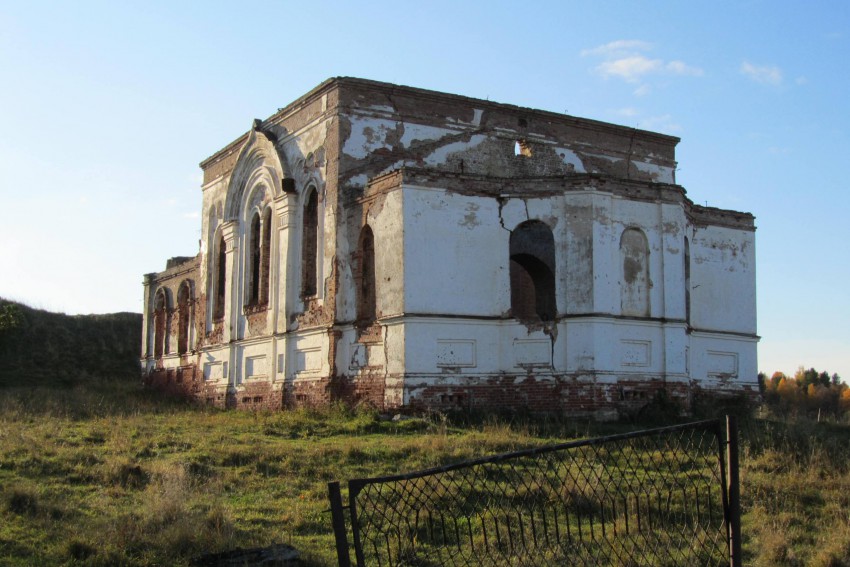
(105, 473)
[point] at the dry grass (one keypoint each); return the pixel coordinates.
(111, 475)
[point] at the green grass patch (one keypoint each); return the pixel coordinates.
(105, 473)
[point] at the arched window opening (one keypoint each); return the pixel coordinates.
(634, 289)
(220, 279)
(532, 272)
(254, 261)
(687, 282)
(184, 316)
(309, 245)
(160, 311)
(366, 311)
(265, 256)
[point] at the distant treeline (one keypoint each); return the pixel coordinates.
(808, 391)
(38, 347)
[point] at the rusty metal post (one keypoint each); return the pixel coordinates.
(338, 521)
(734, 490)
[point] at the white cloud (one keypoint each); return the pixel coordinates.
(629, 69)
(643, 90)
(192, 215)
(766, 74)
(618, 48)
(628, 111)
(624, 59)
(680, 68)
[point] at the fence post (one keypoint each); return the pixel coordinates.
(733, 489)
(338, 521)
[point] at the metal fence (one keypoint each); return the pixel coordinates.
(666, 496)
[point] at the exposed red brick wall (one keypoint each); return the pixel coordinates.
(570, 395)
(256, 396)
(184, 381)
(563, 394)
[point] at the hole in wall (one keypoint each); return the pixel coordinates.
(521, 148)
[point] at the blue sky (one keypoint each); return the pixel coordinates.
(107, 108)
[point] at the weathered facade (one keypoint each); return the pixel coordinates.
(408, 248)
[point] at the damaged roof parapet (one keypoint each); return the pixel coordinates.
(704, 216)
(175, 261)
(532, 186)
(526, 118)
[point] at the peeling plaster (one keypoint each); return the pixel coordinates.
(367, 135)
(570, 158)
(657, 173)
(422, 133)
(440, 155)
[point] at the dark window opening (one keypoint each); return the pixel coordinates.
(184, 317)
(220, 279)
(254, 271)
(532, 272)
(309, 245)
(265, 256)
(159, 323)
(366, 283)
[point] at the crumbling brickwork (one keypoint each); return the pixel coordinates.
(404, 248)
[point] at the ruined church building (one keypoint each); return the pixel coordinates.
(406, 248)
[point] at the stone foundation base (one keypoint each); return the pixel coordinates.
(598, 397)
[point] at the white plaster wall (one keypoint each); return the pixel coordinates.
(392, 355)
(308, 354)
(281, 359)
(386, 219)
(581, 342)
(672, 251)
(676, 349)
(456, 254)
(723, 361)
(645, 216)
(723, 280)
(574, 254)
(627, 347)
(285, 291)
(524, 349)
(255, 360)
(216, 366)
(458, 347)
(606, 242)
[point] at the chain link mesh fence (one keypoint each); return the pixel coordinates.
(656, 497)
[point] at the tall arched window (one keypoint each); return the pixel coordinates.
(532, 270)
(366, 310)
(254, 261)
(184, 316)
(309, 244)
(634, 287)
(160, 324)
(220, 278)
(265, 256)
